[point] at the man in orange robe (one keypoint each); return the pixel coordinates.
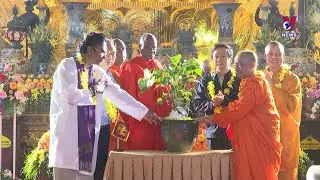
(144, 136)
(255, 124)
(286, 89)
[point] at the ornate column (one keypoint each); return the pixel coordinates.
(76, 25)
(225, 12)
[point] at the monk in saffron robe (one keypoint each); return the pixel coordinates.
(144, 136)
(255, 124)
(286, 89)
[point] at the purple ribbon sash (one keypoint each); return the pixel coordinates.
(86, 125)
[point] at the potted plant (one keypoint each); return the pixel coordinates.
(36, 163)
(43, 40)
(178, 129)
(304, 164)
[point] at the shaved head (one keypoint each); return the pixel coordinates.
(246, 64)
(148, 46)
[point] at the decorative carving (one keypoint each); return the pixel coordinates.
(124, 33)
(105, 21)
(225, 12)
(32, 126)
(185, 43)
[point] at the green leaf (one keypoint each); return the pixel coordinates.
(198, 71)
(142, 83)
(176, 59)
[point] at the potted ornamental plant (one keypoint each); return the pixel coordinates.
(36, 163)
(43, 40)
(180, 77)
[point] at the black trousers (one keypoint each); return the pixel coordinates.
(221, 141)
(103, 148)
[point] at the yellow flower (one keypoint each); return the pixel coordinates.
(226, 91)
(21, 87)
(201, 137)
(84, 80)
(112, 111)
(42, 80)
(211, 89)
(313, 80)
(218, 110)
(80, 59)
(28, 80)
(93, 99)
(304, 80)
(281, 74)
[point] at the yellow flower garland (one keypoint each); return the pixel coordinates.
(226, 91)
(284, 70)
(85, 79)
(112, 111)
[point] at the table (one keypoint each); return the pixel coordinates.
(155, 165)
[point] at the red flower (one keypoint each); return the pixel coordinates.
(27, 93)
(2, 77)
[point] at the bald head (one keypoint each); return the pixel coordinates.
(121, 54)
(246, 63)
(148, 46)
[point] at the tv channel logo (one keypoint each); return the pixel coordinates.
(288, 24)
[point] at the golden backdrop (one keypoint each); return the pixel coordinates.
(244, 24)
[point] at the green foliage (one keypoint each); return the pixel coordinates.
(36, 164)
(266, 35)
(313, 17)
(43, 40)
(179, 78)
(304, 163)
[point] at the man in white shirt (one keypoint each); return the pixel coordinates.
(79, 89)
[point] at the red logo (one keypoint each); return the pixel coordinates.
(288, 24)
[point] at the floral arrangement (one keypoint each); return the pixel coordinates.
(43, 40)
(309, 83)
(36, 163)
(19, 90)
(179, 79)
(311, 94)
(315, 55)
(201, 143)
